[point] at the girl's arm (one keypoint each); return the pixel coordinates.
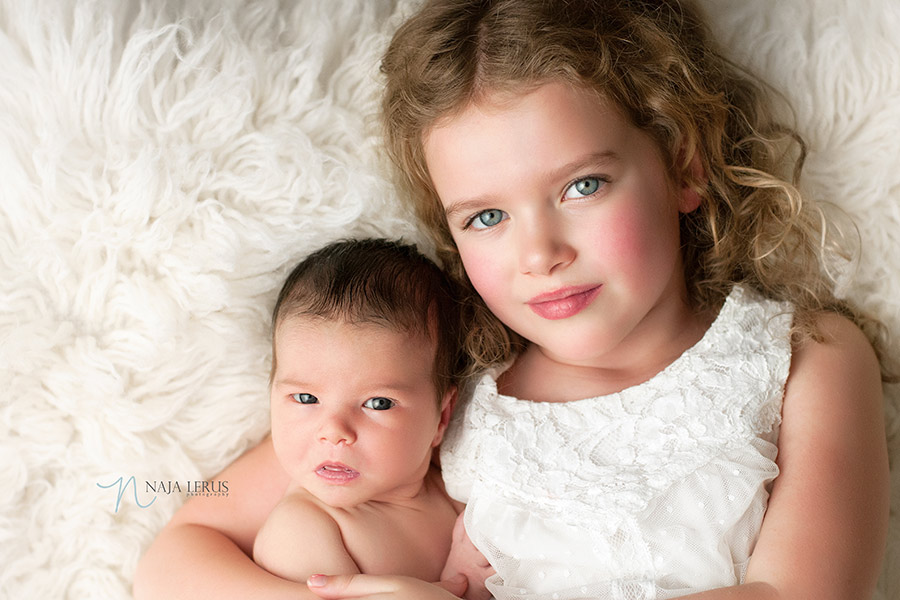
(204, 551)
(824, 532)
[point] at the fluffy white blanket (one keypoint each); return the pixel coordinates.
(163, 164)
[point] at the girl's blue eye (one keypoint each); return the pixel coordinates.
(305, 398)
(379, 403)
(487, 218)
(584, 187)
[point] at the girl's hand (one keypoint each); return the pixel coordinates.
(466, 560)
(385, 587)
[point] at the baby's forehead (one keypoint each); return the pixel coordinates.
(314, 350)
(357, 328)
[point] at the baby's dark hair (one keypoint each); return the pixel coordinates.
(382, 282)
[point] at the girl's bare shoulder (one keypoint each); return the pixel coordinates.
(841, 360)
(834, 384)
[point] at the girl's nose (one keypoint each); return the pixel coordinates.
(337, 429)
(544, 246)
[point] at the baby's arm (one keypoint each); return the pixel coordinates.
(299, 539)
(466, 560)
(204, 551)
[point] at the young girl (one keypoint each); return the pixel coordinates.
(675, 402)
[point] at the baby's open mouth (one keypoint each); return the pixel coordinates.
(336, 473)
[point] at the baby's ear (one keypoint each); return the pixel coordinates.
(689, 197)
(448, 403)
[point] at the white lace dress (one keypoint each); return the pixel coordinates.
(653, 492)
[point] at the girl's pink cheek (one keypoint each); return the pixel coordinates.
(475, 264)
(481, 280)
(628, 240)
(485, 278)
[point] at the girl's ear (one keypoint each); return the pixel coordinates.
(448, 402)
(689, 198)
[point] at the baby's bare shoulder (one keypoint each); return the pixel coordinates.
(301, 538)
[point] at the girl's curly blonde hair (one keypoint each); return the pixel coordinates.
(654, 59)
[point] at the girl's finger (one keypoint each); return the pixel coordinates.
(348, 586)
(456, 585)
(345, 587)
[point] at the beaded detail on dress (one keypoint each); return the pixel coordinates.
(652, 492)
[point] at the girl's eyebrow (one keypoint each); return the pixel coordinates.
(594, 159)
(466, 206)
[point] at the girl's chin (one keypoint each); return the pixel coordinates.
(570, 351)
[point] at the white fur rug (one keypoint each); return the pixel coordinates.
(163, 165)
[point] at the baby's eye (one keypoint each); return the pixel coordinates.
(584, 187)
(379, 403)
(487, 218)
(305, 398)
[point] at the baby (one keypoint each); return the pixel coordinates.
(366, 360)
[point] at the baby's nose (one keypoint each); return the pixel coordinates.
(337, 429)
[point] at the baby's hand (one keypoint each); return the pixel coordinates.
(466, 560)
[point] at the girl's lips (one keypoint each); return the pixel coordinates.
(565, 302)
(336, 473)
